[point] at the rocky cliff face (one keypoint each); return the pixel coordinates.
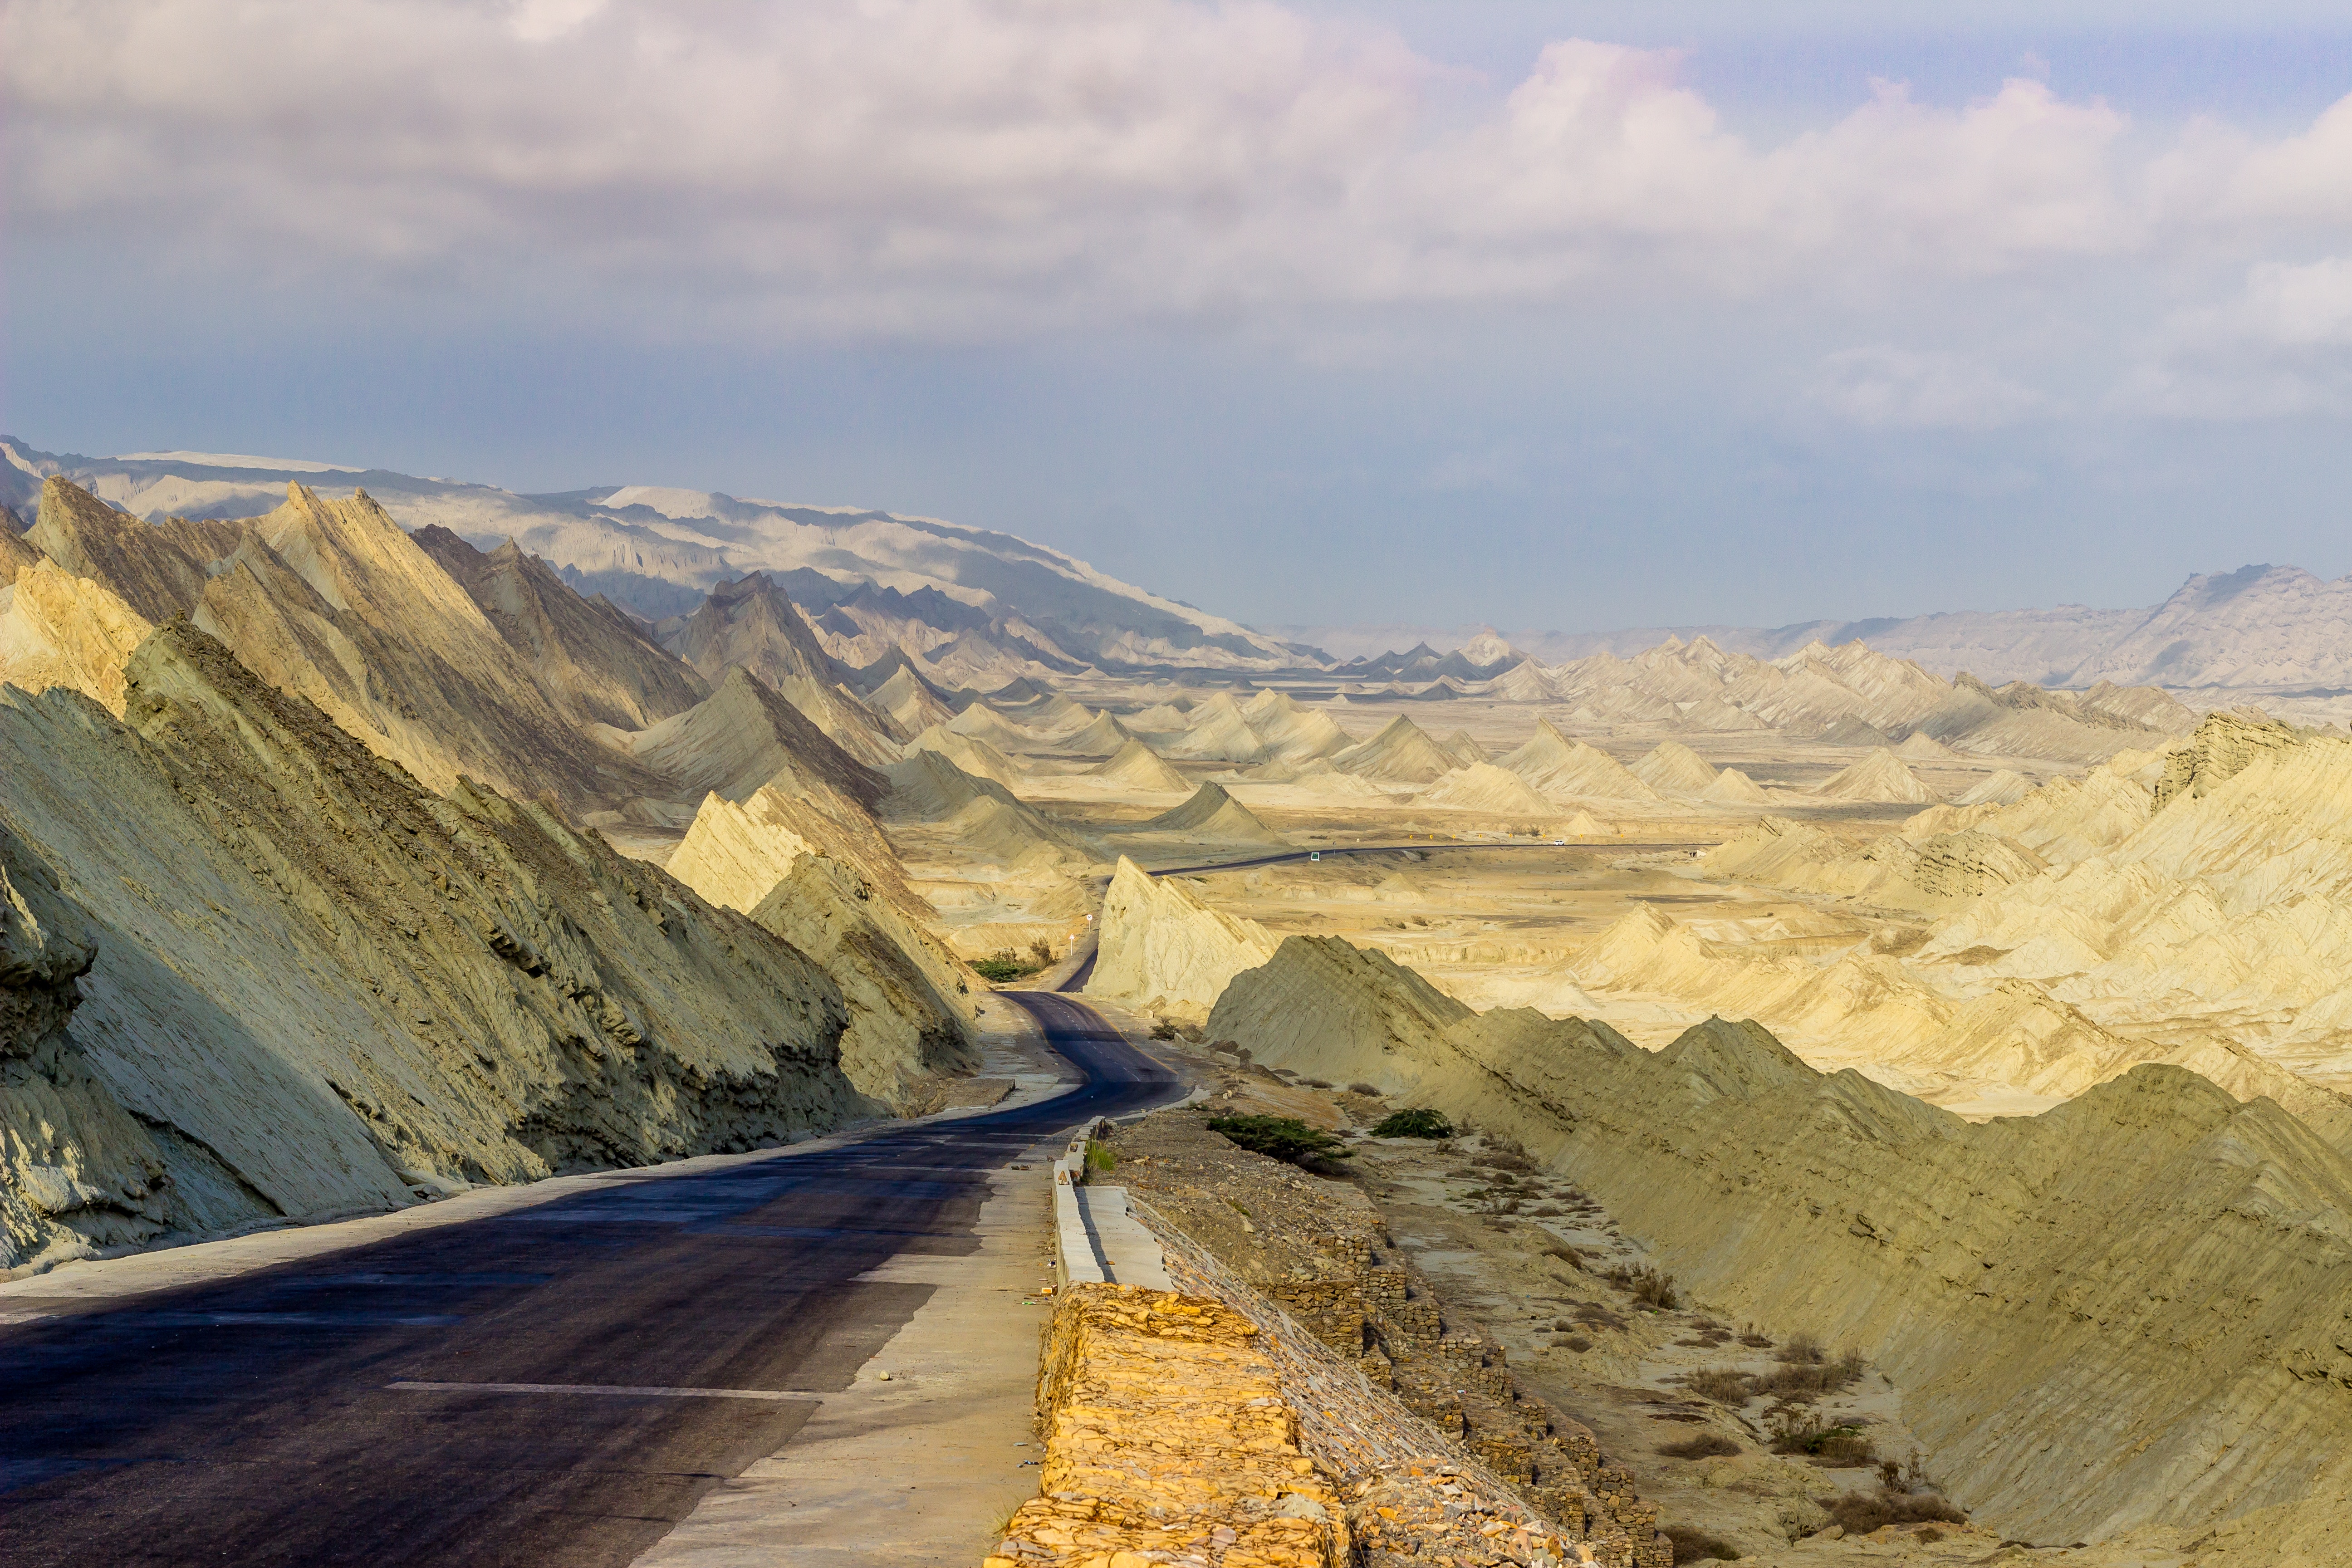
(1161, 950)
(319, 988)
(2129, 1311)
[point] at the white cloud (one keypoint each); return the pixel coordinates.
(2282, 346)
(966, 167)
(1884, 388)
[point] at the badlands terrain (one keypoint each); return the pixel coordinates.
(366, 839)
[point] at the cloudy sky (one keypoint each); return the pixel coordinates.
(1571, 315)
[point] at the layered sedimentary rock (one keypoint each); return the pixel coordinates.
(1163, 949)
(57, 629)
(319, 988)
(2144, 1280)
(1212, 814)
(752, 625)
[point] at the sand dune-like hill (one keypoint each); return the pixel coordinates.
(1673, 768)
(1733, 787)
(1140, 767)
(1219, 733)
(332, 601)
(1104, 737)
(752, 625)
(1402, 752)
(983, 723)
(1558, 766)
(1464, 748)
(597, 665)
(1162, 950)
(1160, 719)
(1584, 825)
(972, 754)
(910, 702)
(744, 736)
(1212, 814)
(1292, 731)
(1484, 787)
(390, 993)
(963, 818)
(2001, 787)
(2010, 1276)
(1921, 747)
(1880, 776)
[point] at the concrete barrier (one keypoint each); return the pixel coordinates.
(1098, 1240)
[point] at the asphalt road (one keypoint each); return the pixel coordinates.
(448, 1398)
(1430, 846)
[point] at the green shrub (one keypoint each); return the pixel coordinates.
(1862, 1512)
(1706, 1446)
(1725, 1386)
(1280, 1138)
(1842, 1445)
(1414, 1124)
(1649, 1287)
(1101, 1156)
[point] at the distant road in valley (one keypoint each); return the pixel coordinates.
(1426, 847)
(550, 1387)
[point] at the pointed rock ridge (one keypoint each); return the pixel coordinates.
(1463, 748)
(1673, 768)
(1853, 731)
(1557, 766)
(2001, 788)
(331, 600)
(1486, 788)
(16, 552)
(1880, 776)
(752, 624)
(1162, 718)
(1138, 767)
(2218, 750)
(1921, 747)
(57, 629)
(390, 991)
(1291, 731)
(980, 815)
(743, 736)
(1522, 682)
(2156, 1167)
(1732, 787)
(595, 664)
(1583, 825)
(1219, 731)
(158, 572)
(1402, 752)
(973, 755)
(735, 853)
(1212, 814)
(910, 702)
(1104, 737)
(1162, 950)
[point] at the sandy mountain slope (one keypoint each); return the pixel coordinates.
(658, 549)
(1558, 766)
(1584, 826)
(1140, 767)
(1673, 768)
(753, 624)
(1402, 752)
(330, 600)
(2011, 1276)
(1733, 787)
(57, 629)
(974, 756)
(1160, 719)
(387, 990)
(983, 723)
(1464, 748)
(2003, 787)
(1921, 747)
(744, 736)
(592, 660)
(1211, 816)
(1164, 950)
(1484, 787)
(16, 552)
(1880, 776)
(1218, 732)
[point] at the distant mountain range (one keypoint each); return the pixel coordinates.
(2262, 628)
(1000, 600)
(980, 606)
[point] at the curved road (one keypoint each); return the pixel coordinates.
(554, 1385)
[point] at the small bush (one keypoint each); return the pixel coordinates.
(1413, 1124)
(1281, 1138)
(1723, 1384)
(1576, 1342)
(1648, 1286)
(1706, 1446)
(1163, 1030)
(1101, 1156)
(1000, 967)
(1862, 1512)
(1317, 1083)
(1364, 1088)
(1842, 1445)
(1698, 1546)
(1802, 1350)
